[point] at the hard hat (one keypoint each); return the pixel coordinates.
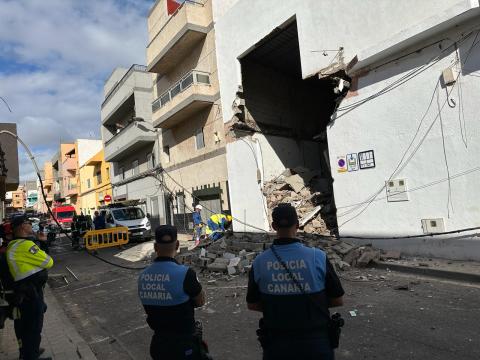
(199, 207)
(229, 218)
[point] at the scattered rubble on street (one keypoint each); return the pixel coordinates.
(234, 254)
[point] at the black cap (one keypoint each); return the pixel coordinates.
(18, 220)
(284, 216)
(163, 230)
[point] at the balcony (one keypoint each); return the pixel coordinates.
(120, 101)
(70, 164)
(132, 137)
(178, 36)
(190, 94)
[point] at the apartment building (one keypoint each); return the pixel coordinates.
(95, 184)
(130, 141)
(181, 55)
(61, 181)
(9, 176)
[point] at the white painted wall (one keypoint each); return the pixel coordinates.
(388, 124)
(86, 149)
(385, 125)
(322, 25)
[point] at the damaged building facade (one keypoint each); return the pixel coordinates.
(381, 116)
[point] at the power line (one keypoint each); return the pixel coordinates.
(407, 77)
(399, 169)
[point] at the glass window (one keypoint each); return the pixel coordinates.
(151, 160)
(88, 184)
(132, 213)
(199, 139)
(135, 170)
(166, 151)
(203, 78)
(98, 176)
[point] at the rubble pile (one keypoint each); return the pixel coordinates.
(309, 193)
(235, 253)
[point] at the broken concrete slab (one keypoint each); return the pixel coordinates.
(296, 182)
(310, 215)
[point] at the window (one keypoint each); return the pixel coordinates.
(98, 176)
(135, 167)
(88, 184)
(107, 173)
(151, 160)
(199, 139)
(166, 151)
(121, 172)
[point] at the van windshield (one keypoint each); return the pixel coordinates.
(128, 214)
(65, 214)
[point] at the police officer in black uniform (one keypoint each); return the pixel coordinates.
(293, 286)
(169, 293)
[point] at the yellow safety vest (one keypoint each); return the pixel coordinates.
(216, 219)
(25, 258)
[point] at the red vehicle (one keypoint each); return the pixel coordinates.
(64, 215)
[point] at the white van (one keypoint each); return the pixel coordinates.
(130, 216)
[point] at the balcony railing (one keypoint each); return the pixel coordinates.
(117, 86)
(194, 77)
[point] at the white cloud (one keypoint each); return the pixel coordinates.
(54, 58)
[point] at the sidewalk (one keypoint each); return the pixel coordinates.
(59, 338)
(447, 269)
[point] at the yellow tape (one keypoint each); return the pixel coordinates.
(99, 239)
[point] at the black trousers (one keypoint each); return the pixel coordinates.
(166, 348)
(311, 348)
(28, 328)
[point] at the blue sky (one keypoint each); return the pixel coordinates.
(54, 58)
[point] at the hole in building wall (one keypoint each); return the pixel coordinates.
(290, 113)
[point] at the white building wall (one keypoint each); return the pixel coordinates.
(322, 25)
(86, 149)
(330, 25)
(389, 123)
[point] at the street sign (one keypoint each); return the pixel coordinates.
(107, 198)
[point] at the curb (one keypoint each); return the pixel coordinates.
(442, 274)
(57, 326)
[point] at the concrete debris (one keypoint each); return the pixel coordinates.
(309, 193)
(235, 253)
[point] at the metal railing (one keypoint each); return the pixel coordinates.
(115, 87)
(194, 77)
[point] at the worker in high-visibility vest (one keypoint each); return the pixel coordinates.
(28, 266)
(217, 224)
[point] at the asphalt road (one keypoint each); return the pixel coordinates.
(433, 319)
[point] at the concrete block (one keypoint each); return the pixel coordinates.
(232, 270)
(228, 255)
(216, 266)
(234, 262)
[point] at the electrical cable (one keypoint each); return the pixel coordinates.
(49, 209)
(445, 157)
(398, 170)
(405, 78)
